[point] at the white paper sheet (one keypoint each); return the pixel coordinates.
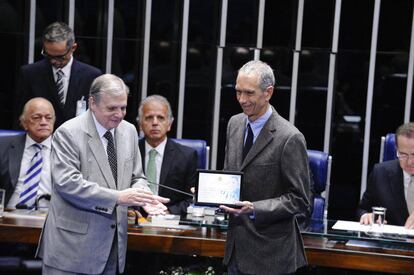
(356, 226)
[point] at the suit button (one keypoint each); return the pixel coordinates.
(112, 225)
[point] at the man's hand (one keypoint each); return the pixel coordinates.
(409, 224)
(158, 208)
(135, 197)
(246, 208)
(366, 219)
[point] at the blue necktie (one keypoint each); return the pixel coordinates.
(32, 178)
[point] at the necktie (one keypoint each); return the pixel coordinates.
(249, 141)
(152, 171)
(110, 150)
(32, 178)
(60, 81)
(410, 196)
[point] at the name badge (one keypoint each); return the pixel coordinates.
(80, 106)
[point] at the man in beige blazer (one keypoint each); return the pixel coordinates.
(263, 235)
(96, 175)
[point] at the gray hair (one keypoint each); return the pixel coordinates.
(58, 32)
(109, 84)
(406, 130)
(261, 69)
(23, 115)
(156, 98)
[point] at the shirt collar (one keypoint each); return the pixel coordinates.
(101, 130)
(160, 148)
(47, 143)
(258, 124)
(66, 69)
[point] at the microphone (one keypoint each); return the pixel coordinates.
(171, 188)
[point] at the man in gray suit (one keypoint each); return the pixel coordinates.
(96, 175)
(263, 235)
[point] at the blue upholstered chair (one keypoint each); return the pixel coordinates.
(388, 148)
(320, 166)
(203, 151)
(5, 133)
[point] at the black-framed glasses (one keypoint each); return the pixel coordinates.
(55, 57)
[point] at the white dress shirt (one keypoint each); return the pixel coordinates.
(158, 158)
(45, 186)
(66, 76)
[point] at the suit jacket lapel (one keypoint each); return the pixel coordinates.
(169, 156)
(72, 94)
(120, 145)
(264, 138)
(15, 157)
(53, 95)
(98, 152)
(396, 181)
(141, 144)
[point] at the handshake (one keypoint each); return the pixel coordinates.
(152, 204)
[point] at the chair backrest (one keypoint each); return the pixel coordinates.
(7, 133)
(388, 149)
(320, 164)
(203, 151)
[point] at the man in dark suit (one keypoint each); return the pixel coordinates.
(390, 184)
(263, 235)
(37, 119)
(59, 77)
(175, 164)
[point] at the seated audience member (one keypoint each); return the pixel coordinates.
(25, 159)
(165, 161)
(391, 184)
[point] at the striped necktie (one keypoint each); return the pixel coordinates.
(60, 85)
(152, 171)
(110, 150)
(32, 178)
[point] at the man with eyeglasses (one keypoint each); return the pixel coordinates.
(25, 159)
(391, 184)
(59, 77)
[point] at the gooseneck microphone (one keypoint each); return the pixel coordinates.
(171, 188)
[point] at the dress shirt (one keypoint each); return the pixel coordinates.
(66, 76)
(45, 186)
(407, 181)
(158, 158)
(258, 124)
(101, 132)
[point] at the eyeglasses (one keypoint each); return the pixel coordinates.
(404, 156)
(55, 57)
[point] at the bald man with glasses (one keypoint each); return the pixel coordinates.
(58, 77)
(391, 184)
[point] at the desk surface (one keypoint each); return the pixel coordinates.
(320, 250)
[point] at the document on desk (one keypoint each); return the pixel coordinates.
(26, 214)
(356, 226)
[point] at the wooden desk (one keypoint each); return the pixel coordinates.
(210, 242)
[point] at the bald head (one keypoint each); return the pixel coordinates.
(38, 118)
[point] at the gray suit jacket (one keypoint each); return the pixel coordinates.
(83, 216)
(276, 180)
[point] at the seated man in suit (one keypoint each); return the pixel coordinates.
(391, 184)
(59, 77)
(172, 164)
(25, 166)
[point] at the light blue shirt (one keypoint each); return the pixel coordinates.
(258, 124)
